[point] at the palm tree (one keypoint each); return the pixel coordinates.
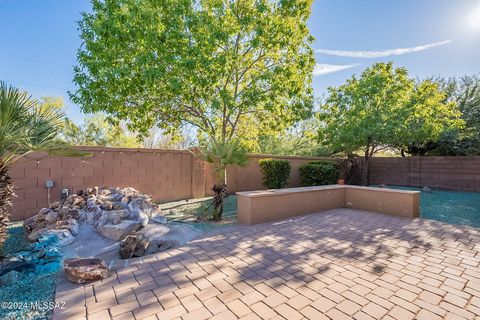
(221, 154)
(25, 126)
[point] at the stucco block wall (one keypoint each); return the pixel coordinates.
(271, 205)
(166, 175)
(396, 202)
(456, 173)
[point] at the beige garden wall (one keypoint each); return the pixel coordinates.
(167, 175)
(271, 205)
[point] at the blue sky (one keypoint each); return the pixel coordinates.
(39, 40)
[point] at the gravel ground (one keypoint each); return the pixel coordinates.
(455, 207)
(187, 211)
(29, 297)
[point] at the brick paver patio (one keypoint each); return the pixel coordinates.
(339, 264)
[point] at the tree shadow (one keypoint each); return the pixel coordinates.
(315, 251)
(331, 239)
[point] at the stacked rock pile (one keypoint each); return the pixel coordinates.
(115, 213)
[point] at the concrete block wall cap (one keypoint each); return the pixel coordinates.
(133, 150)
(274, 192)
(266, 155)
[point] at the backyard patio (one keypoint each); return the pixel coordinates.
(338, 264)
(191, 160)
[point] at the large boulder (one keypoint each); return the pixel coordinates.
(118, 231)
(30, 224)
(51, 217)
(133, 246)
(139, 211)
(70, 224)
(85, 270)
(35, 234)
(114, 216)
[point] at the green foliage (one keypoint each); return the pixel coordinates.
(97, 130)
(228, 68)
(465, 94)
(221, 154)
(25, 126)
(384, 108)
(275, 172)
(318, 173)
(298, 140)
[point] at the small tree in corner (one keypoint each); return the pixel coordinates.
(275, 172)
(221, 154)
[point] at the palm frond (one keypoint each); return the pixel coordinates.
(26, 126)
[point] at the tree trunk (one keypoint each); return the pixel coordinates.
(6, 196)
(220, 191)
(365, 169)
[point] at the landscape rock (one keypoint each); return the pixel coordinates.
(10, 278)
(70, 224)
(118, 231)
(63, 212)
(58, 237)
(51, 217)
(48, 267)
(14, 264)
(35, 234)
(85, 270)
(116, 220)
(30, 224)
(158, 218)
(113, 217)
(133, 246)
(139, 211)
(112, 213)
(427, 189)
(44, 211)
(161, 245)
(73, 213)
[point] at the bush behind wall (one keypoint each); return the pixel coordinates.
(275, 172)
(318, 173)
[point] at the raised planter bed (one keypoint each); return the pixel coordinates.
(270, 205)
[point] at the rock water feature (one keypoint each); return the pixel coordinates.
(106, 223)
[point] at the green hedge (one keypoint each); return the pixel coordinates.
(318, 173)
(275, 172)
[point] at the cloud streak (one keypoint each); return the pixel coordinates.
(382, 53)
(323, 68)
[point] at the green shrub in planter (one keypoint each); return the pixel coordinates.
(318, 173)
(275, 172)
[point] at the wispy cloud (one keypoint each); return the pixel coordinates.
(382, 53)
(323, 68)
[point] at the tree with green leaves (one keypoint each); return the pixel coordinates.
(384, 108)
(222, 66)
(25, 126)
(298, 140)
(221, 154)
(465, 93)
(97, 130)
